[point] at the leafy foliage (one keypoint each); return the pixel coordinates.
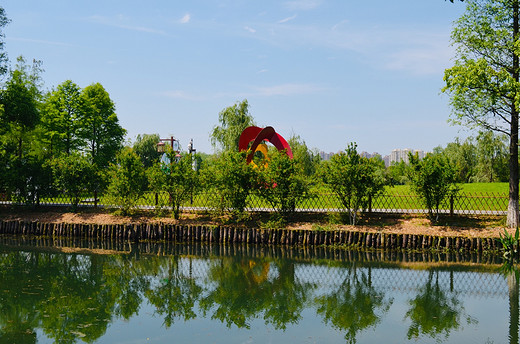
(233, 180)
(3, 54)
(281, 183)
(145, 146)
(60, 119)
(510, 244)
(484, 84)
(433, 179)
(75, 175)
(99, 125)
(128, 180)
(354, 179)
(233, 120)
(177, 177)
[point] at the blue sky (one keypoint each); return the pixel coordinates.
(332, 72)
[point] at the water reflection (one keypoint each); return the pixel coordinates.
(49, 294)
(435, 312)
(355, 305)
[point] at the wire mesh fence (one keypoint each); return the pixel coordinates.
(464, 203)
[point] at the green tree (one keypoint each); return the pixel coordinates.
(308, 159)
(128, 180)
(60, 119)
(20, 101)
(397, 173)
(433, 180)
(282, 183)
(463, 157)
(232, 121)
(3, 54)
(354, 179)
(233, 180)
(484, 84)
(145, 147)
(492, 156)
(99, 126)
(176, 176)
(75, 176)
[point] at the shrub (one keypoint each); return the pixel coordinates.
(233, 180)
(433, 179)
(176, 176)
(75, 176)
(281, 183)
(354, 179)
(128, 180)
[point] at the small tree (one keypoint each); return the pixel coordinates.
(74, 175)
(145, 146)
(128, 180)
(433, 179)
(355, 180)
(281, 183)
(234, 180)
(176, 176)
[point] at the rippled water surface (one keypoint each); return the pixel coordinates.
(99, 293)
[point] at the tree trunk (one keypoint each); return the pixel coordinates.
(512, 209)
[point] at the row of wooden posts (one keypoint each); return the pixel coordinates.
(229, 234)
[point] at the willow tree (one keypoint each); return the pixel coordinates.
(233, 120)
(484, 83)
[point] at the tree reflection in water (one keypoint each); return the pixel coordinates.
(355, 305)
(174, 295)
(74, 297)
(434, 312)
(243, 291)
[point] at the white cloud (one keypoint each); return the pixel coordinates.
(247, 28)
(418, 52)
(302, 5)
(117, 23)
(285, 20)
(186, 19)
(39, 41)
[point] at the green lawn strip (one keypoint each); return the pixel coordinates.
(473, 196)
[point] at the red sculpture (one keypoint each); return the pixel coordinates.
(257, 135)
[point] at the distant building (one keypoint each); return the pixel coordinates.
(326, 156)
(399, 155)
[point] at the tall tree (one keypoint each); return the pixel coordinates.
(3, 54)
(20, 101)
(99, 125)
(233, 120)
(484, 84)
(60, 117)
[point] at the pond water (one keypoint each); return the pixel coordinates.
(60, 292)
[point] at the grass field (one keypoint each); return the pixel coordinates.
(472, 198)
(498, 188)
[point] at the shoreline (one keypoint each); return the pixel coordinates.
(362, 237)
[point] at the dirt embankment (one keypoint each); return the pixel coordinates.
(401, 224)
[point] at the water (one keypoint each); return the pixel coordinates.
(54, 292)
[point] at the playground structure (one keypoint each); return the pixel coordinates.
(257, 135)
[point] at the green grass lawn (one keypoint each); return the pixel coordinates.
(474, 196)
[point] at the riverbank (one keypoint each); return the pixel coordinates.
(456, 226)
